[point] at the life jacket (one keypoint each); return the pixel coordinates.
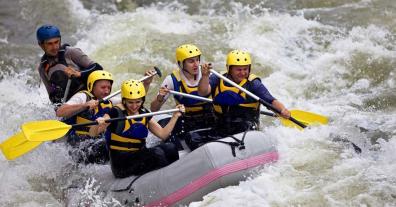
(230, 102)
(192, 106)
(128, 135)
(90, 115)
(56, 89)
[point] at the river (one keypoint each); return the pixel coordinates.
(332, 57)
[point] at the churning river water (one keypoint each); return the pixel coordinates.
(332, 57)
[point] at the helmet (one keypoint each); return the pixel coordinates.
(47, 32)
(186, 51)
(98, 75)
(133, 89)
(238, 57)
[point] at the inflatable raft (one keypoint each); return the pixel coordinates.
(210, 167)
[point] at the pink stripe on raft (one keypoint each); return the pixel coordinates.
(214, 175)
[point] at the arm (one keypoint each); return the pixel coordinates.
(159, 100)
(76, 104)
(83, 61)
(88, 70)
(284, 112)
(163, 133)
(148, 81)
(84, 73)
(204, 87)
(262, 92)
(163, 94)
(95, 130)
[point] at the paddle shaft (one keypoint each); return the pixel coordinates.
(157, 71)
(127, 117)
(190, 96)
(266, 104)
(210, 100)
(67, 90)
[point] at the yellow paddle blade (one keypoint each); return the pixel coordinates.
(307, 118)
(13, 141)
(21, 149)
(16, 146)
(46, 130)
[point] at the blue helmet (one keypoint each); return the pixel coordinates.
(47, 32)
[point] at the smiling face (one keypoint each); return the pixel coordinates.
(239, 72)
(51, 47)
(133, 105)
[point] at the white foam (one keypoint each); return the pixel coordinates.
(304, 63)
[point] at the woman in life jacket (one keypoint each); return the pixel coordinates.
(127, 139)
(199, 114)
(235, 110)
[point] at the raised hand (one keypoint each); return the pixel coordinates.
(205, 69)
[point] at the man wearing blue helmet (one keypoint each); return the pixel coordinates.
(61, 62)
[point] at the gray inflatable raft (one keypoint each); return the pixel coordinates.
(210, 167)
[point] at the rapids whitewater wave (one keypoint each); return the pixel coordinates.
(335, 58)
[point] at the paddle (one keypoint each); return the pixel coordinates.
(16, 146)
(190, 96)
(266, 104)
(48, 130)
(269, 106)
(157, 72)
(67, 90)
(307, 118)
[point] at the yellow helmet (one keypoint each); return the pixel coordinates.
(186, 51)
(238, 57)
(98, 75)
(132, 89)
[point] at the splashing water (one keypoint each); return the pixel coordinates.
(335, 58)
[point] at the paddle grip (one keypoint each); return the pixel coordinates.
(158, 71)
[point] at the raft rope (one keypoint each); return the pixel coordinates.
(238, 143)
(129, 186)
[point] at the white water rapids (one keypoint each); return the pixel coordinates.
(335, 58)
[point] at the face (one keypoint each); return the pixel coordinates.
(101, 88)
(192, 65)
(133, 105)
(51, 46)
(239, 72)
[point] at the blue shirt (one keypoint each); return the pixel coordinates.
(257, 88)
